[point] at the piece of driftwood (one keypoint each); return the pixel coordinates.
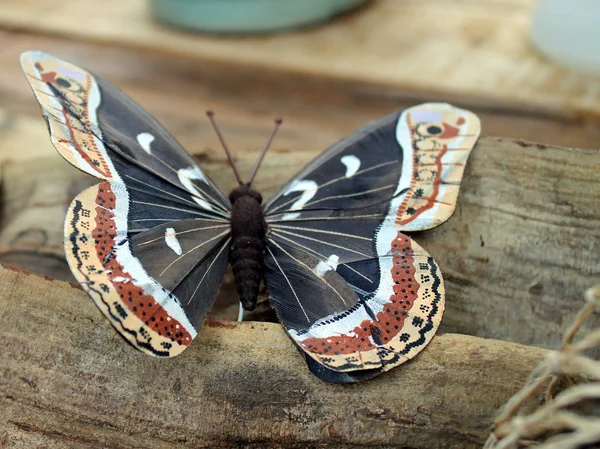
(522, 246)
(479, 49)
(68, 380)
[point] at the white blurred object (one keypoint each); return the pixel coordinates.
(568, 33)
(241, 313)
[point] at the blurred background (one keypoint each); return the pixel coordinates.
(528, 69)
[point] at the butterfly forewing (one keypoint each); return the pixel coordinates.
(150, 244)
(418, 157)
(357, 172)
(91, 121)
(126, 125)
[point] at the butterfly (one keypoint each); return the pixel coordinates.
(151, 242)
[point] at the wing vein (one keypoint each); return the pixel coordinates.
(289, 283)
(183, 232)
(193, 249)
(325, 243)
(341, 178)
(222, 212)
(333, 197)
(356, 217)
(225, 245)
(321, 231)
(179, 209)
(311, 270)
(324, 258)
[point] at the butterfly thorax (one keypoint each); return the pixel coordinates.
(248, 229)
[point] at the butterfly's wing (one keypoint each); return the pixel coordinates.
(92, 123)
(347, 331)
(149, 243)
(355, 294)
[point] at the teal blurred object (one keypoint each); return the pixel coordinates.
(247, 16)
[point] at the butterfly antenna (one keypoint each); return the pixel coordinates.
(278, 121)
(211, 116)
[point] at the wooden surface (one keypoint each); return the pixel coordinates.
(474, 50)
(68, 380)
(517, 255)
(317, 110)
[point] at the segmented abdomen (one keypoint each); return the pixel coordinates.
(247, 262)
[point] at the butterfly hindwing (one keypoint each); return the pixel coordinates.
(150, 243)
(397, 298)
(346, 328)
(171, 251)
(301, 290)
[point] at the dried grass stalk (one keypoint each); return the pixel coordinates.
(569, 383)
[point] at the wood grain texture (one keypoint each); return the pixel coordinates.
(68, 380)
(521, 248)
(452, 49)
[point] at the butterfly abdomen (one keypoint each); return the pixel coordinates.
(248, 230)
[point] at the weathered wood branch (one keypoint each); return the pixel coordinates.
(68, 380)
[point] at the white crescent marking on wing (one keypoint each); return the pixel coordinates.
(145, 140)
(352, 164)
(185, 177)
(171, 241)
(333, 261)
(308, 188)
(323, 267)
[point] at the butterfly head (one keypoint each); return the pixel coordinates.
(244, 191)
